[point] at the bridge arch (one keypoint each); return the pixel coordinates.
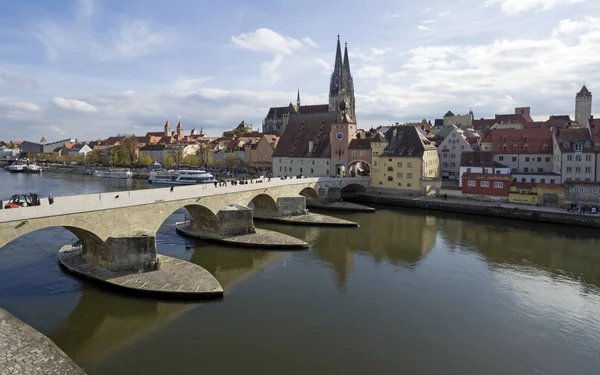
(359, 168)
(353, 188)
(264, 205)
(202, 218)
(89, 240)
(310, 194)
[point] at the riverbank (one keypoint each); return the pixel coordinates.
(309, 219)
(494, 209)
(23, 350)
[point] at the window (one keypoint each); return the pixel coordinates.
(543, 181)
(453, 156)
(503, 147)
(588, 179)
(409, 175)
(577, 189)
(540, 170)
(527, 159)
(300, 170)
(409, 165)
(445, 165)
(587, 144)
(400, 164)
(588, 158)
(399, 175)
(390, 178)
(462, 147)
(485, 184)
(578, 158)
(544, 147)
(375, 153)
(354, 153)
(596, 190)
(454, 147)
(514, 158)
(552, 180)
(498, 184)
(445, 155)
(291, 161)
(408, 185)
(569, 169)
(389, 159)
(279, 169)
(525, 169)
(311, 171)
(577, 169)
(363, 153)
(547, 159)
(515, 147)
(501, 158)
(539, 159)
(523, 180)
(578, 146)
(390, 169)
(399, 183)
(290, 169)
(569, 157)
(453, 165)
(588, 169)
(472, 183)
(380, 182)
(567, 144)
(468, 170)
(375, 163)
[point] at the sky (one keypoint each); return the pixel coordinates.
(90, 69)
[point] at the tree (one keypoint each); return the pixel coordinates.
(96, 157)
(191, 160)
(144, 160)
(230, 160)
(175, 152)
(129, 147)
(170, 162)
(204, 155)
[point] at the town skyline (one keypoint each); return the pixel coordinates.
(90, 69)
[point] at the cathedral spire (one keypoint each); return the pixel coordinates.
(347, 77)
(336, 76)
(298, 98)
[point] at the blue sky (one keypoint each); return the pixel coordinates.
(93, 68)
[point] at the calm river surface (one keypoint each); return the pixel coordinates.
(409, 292)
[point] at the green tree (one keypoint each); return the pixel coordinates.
(230, 160)
(204, 155)
(144, 160)
(191, 160)
(170, 162)
(176, 153)
(95, 157)
(129, 148)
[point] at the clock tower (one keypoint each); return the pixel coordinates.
(342, 132)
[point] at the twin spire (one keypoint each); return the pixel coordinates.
(341, 79)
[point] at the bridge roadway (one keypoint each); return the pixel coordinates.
(118, 229)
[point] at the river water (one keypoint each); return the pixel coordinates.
(410, 291)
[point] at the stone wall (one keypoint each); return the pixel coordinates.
(122, 253)
(235, 220)
(291, 206)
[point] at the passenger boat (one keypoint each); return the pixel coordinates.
(123, 174)
(15, 168)
(32, 168)
(182, 177)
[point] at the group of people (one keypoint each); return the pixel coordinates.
(222, 183)
(582, 209)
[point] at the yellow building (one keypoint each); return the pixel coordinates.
(551, 195)
(408, 161)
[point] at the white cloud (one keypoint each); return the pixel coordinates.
(25, 106)
(514, 7)
(74, 105)
(134, 38)
(85, 9)
(309, 42)
(190, 83)
(444, 14)
(567, 26)
(266, 40)
(423, 28)
(389, 16)
(370, 72)
(428, 21)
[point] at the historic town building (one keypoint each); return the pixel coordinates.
(574, 154)
(583, 106)
(450, 151)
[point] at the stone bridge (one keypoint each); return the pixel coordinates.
(118, 229)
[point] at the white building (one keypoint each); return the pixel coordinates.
(574, 155)
(480, 162)
(450, 152)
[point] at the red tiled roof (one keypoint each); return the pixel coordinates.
(111, 141)
(318, 108)
(483, 123)
(584, 92)
(573, 135)
(520, 141)
(302, 129)
(364, 144)
(511, 118)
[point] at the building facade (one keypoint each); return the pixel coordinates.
(480, 162)
(260, 155)
(486, 184)
(341, 85)
(409, 161)
(574, 154)
(461, 121)
(450, 151)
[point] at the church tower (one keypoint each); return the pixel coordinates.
(180, 130)
(583, 106)
(343, 131)
(167, 129)
(341, 86)
(298, 98)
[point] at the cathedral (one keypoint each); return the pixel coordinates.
(341, 88)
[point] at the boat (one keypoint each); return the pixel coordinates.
(32, 168)
(15, 168)
(182, 177)
(123, 174)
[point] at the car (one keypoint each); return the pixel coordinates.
(23, 200)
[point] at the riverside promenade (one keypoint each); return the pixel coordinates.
(553, 215)
(23, 350)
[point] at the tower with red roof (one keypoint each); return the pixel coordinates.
(583, 106)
